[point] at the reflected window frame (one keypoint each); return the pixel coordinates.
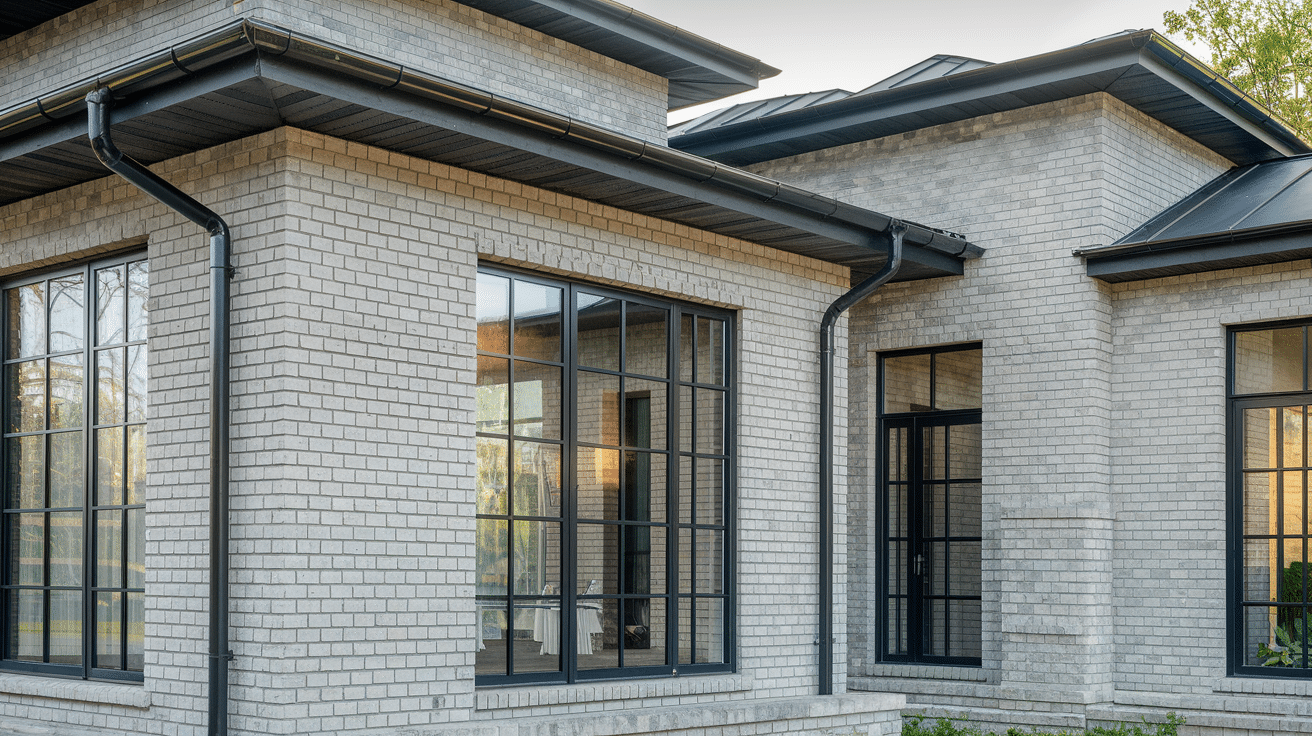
(579, 440)
(117, 602)
(1288, 472)
(913, 596)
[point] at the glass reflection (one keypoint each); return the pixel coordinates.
(537, 321)
(67, 318)
(27, 321)
(646, 345)
(598, 331)
(493, 313)
(111, 306)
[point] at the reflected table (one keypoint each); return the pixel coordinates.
(546, 627)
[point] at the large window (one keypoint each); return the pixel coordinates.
(929, 503)
(1270, 399)
(74, 463)
(603, 481)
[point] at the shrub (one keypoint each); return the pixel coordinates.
(916, 726)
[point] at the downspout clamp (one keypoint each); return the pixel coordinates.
(896, 231)
(98, 104)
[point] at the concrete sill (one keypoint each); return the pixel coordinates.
(128, 695)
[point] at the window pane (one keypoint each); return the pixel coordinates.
(66, 391)
(646, 345)
(109, 466)
(710, 421)
(66, 548)
(597, 558)
(1269, 360)
(686, 492)
(687, 338)
(136, 470)
(27, 625)
(537, 321)
(966, 509)
(111, 305)
(109, 549)
(539, 397)
(964, 638)
(135, 377)
(109, 630)
(709, 567)
(491, 477)
(537, 556)
(492, 395)
(645, 413)
(646, 552)
(67, 318)
(1291, 512)
(67, 474)
(598, 414)
(1260, 445)
(493, 638)
(906, 384)
(493, 312)
(598, 640)
(136, 548)
(708, 644)
(644, 487)
(710, 351)
(897, 453)
(599, 332)
(26, 396)
(598, 481)
(66, 627)
(1292, 437)
(965, 460)
(958, 378)
(138, 300)
(27, 472)
(934, 452)
(645, 624)
(27, 321)
(1259, 503)
(540, 619)
(492, 568)
(136, 631)
(27, 549)
(1260, 636)
(537, 480)
(111, 393)
(1261, 570)
(710, 490)
(686, 633)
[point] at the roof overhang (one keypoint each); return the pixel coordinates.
(699, 70)
(251, 77)
(1142, 69)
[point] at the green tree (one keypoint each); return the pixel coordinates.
(1263, 46)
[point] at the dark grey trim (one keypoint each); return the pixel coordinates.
(1139, 261)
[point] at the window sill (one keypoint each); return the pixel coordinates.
(925, 672)
(537, 696)
(84, 691)
(1263, 686)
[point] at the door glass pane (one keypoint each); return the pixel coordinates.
(1291, 439)
(27, 548)
(687, 355)
(26, 396)
(492, 557)
(136, 470)
(109, 549)
(111, 305)
(136, 548)
(958, 380)
(135, 377)
(598, 481)
(138, 300)
(644, 487)
(109, 630)
(708, 569)
(598, 558)
(111, 391)
(646, 413)
(537, 479)
(492, 395)
(66, 470)
(109, 466)
(906, 384)
(66, 392)
(27, 472)
(538, 398)
(964, 639)
(598, 415)
(597, 624)
(710, 490)
(136, 631)
(491, 480)
(965, 445)
(1259, 503)
(710, 421)
(710, 351)
(66, 548)
(537, 556)
(66, 627)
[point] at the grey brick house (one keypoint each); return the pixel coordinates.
(500, 416)
(1077, 473)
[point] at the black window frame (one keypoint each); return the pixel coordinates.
(1236, 405)
(678, 454)
(90, 426)
(914, 421)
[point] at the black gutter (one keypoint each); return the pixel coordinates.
(98, 104)
(896, 231)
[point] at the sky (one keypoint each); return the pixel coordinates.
(851, 44)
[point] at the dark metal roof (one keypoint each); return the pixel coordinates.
(27, 14)
(699, 70)
(1141, 68)
(757, 109)
(939, 65)
(1260, 213)
(251, 77)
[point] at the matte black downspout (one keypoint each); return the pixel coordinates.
(845, 302)
(98, 103)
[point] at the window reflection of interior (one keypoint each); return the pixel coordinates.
(596, 469)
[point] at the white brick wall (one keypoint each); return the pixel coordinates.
(439, 37)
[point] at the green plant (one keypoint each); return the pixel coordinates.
(1289, 650)
(916, 726)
